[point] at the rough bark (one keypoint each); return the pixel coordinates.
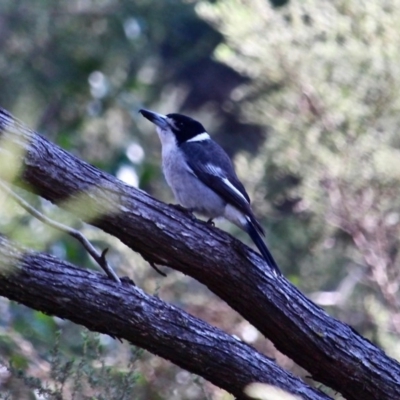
(331, 351)
(43, 282)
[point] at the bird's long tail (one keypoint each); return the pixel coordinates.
(259, 242)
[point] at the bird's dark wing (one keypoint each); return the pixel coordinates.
(213, 167)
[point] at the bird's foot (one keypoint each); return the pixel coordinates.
(128, 281)
(187, 211)
(210, 222)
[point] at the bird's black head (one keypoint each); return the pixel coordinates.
(183, 128)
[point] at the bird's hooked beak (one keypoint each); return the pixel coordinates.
(157, 119)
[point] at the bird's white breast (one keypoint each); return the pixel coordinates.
(188, 190)
(168, 142)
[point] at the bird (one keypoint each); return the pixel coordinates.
(202, 177)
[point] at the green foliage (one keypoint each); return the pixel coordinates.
(84, 379)
(325, 78)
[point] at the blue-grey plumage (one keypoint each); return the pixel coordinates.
(202, 177)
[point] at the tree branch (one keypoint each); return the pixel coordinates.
(43, 282)
(331, 351)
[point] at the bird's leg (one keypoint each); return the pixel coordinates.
(181, 208)
(187, 211)
(210, 222)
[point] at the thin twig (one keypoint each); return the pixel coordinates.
(99, 258)
(157, 269)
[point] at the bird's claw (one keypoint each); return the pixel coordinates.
(187, 211)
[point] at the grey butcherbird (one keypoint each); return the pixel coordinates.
(202, 176)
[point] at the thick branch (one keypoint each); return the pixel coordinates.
(331, 351)
(43, 282)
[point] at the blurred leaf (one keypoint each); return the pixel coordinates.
(263, 391)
